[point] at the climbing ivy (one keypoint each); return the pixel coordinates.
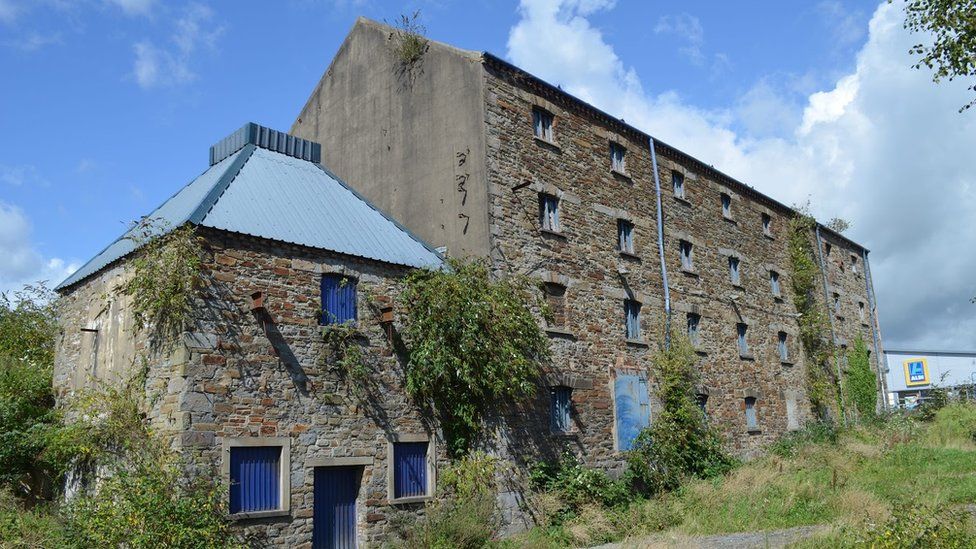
(822, 384)
(861, 384)
(344, 352)
(165, 276)
(472, 342)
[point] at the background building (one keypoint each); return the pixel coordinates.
(911, 374)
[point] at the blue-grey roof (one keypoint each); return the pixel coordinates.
(270, 194)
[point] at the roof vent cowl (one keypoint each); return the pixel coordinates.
(266, 138)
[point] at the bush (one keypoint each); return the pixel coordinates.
(818, 432)
(679, 443)
(576, 485)
(919, 526)
(953, 425)
(862, 385)
(37, 528)
(465, 516)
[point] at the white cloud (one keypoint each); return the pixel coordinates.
(34, 41)
(689, 30)
(22, 175)
(22, 263)
(883, 146)
(156, 66)
(8, 11)
(134, 7)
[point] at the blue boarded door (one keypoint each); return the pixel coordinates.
(632, 407)
(334, 518)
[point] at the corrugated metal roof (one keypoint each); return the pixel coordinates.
(269, 194)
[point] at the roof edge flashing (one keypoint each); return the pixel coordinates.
(265, 138)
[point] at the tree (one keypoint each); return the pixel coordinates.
(952, 23)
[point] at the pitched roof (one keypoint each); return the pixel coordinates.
(264, 183)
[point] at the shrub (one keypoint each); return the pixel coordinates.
(576, 485)
(818, 432)
(473, 342)
(466, 514)
(862, 386)
(37, 528)
(914, 525)
(409, 42)
(679, 443)
(935, 399)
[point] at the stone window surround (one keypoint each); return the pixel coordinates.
(766, 211)
(773, 268)
(573, 381)
(615, 140)
(536, 102)
(791, 337)
(735, 203)
(678, 236)
(548, 277)
(748, 323)
(284, 472)
(745, 394)
(726, 252)
(694, 309)
(431, 467)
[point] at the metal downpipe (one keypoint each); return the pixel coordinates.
(660, 248)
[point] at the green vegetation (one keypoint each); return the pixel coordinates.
(473, 342)
(343, 350)
(823, 386)
(679, 444)
(951, 27)
(895, 483)
(861, 383)
(165, 278)
(409, 40)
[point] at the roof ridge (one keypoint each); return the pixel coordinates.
(207, 204)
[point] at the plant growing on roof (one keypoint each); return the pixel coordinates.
(822, 384)
(409, 40)
(165, 277)
(473, 342)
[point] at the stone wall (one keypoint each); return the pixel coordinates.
(240, 375)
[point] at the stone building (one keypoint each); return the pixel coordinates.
(309, 454)
(481, 158)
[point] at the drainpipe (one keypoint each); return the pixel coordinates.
(660, 248)
(875, 331)
(830, 317)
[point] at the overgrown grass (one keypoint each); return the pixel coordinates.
(863, 482)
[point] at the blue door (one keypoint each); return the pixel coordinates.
(334, 516)
(633, 408)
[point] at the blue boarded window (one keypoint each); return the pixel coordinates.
(742, 340)
(255, 478)
(409, 469)
(734, 270)
(562, 398)
(632, 313)
(752, 422)
(338, 299)
(625, 236)
(774, 283)
(678, 181)
(632, 408)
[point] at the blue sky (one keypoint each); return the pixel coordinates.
(109, 107)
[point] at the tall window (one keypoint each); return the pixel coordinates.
(632, 313)
(694, 321)
(752, 423)
(774, 283)
(853, 263)
(783, 348)
(255, 479)
(734, 270)
(560, 409)
(861, 310)
(556, 299)
(767, 224)
(827, 248)
(836, 304)
(678, 182)
(617, 157)
(726, 206)
(702, 400)
(625, 236)
(542, 123)
(742, 341)
(410, 469)
(687, 255)
(549, 212)
(338, 299)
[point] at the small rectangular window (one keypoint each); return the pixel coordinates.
(410, 469)
(702, 401)
(693, 323)
(338, 299)
(687, 255)
(734, 271)
(618, 162)
(556, 300)
(827, 248)
(767, 224)
(743, 342)
(853, 263)
(678, 182)
(625, 236)
(861, 310)
(560, 412)
(542, 123)
(752, 422)
(255, 479)
(632, 312)
(726, 206)
(783, 348)
(774, 283)
(549, 212)
(837, 304)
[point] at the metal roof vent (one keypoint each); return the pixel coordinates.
(266, 138)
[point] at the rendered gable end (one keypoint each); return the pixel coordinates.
(408, 138)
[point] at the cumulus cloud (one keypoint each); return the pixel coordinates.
(156, 66)
(22, 263)
(881, 146)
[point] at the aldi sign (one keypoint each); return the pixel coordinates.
(916, 372)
